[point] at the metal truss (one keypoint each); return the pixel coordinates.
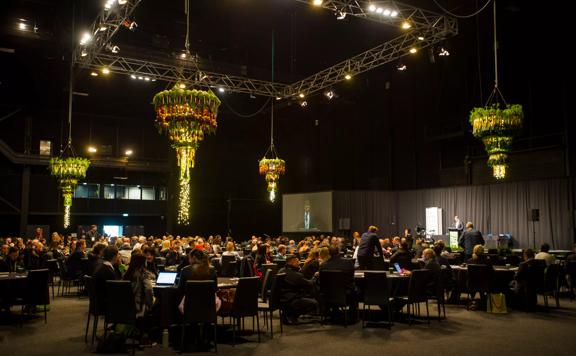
(418, 18)
(427, 29)
(106, 25)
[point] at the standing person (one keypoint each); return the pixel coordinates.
(369, 242)
(458, 224)
(469, 239)
(409, 238)
(355, 240)
(92, 235)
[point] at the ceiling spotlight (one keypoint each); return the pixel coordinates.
(131, 25)
(394, 14)
(102, 28)
(329, 94)
(22, 26)
(146, 79)
(221, 90)
(386, 12)
(347, 77)
(94, 74)
(401, 67)
(140, 77)
(379, 10)
(413, 50)
(83, 53)
(92, 149)
(128, 152)
(406, 25)
(317, 2)
(304, 104)
(105, 71)
(182, 85)
(420, 38)
(114, 49)
(372, 8)
(183, 55)
(301, 95)
(108, 5)
(340, 15)
(153, 79)
(278, 98)
(86, 38)
(122, 2)
(132, 76)
(443, 52)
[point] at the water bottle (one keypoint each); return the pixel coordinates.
(165, 338)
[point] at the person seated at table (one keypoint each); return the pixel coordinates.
(150, 253)
(12, 260)
(524, 287)
(261, 258)
(75, 259)
(418, 248)
(430, 264)
(572, 256)
(297, 292)
(478, 257)
(141, 281)
(402, 256)
(33, 255)
(230, 250)
(173, 256)
(545, 255)
(4, 251)
(106, 271)
(197, 269)
(311, 264)
(281, 255)
(94, 258)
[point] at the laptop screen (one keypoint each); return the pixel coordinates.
(166, 278)
(398, 269)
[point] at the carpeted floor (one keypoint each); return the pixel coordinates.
(550, 332)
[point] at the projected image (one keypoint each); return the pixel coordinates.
(113, 230)
(307, 212)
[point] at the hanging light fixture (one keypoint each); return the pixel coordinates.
(67, 168)
(271, 166)
(185, 116)
(497, 122)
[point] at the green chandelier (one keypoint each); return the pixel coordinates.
(185, 116)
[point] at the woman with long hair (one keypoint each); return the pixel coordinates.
(311, 264)
(141, 281)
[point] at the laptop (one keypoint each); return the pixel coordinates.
(166, 279)
(398, 268)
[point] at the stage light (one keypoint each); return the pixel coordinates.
(329, 94)
(132, 76)
(386, 12)
(278, 98)
(122, 2)
(86, 38)
(113, 49)
(105, 71)
(413, 50)
(317, 2)
(348, 77)
(124, 214)
(92, 149)
(140, 77)
(340, 15)
(128, 152)
(133, 26)
(304, 104)
(183, 55)
(406, 25)
(22, 26)
(420, 38)
(83, 53)
(401, 67)
(182, 85)
(394, 14)
(146, 79)
(301, 95)
(372, 8)
(102, 28)
(221, 90)
(108, 5)
(443, 52)
(379, 10)
(94, 74)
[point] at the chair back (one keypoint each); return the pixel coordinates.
(200, 302)
(229, 268)
(270, 266)
(53, 267)
(552, 278)
(376, 288)
(246, 264)
(246, 297)
(571, 271)
(89, 284)
(333, 287)
(37, 292)
(420, 279)
(479, 278)
(277, 286)
(267, 283)
(120, 303)
(512, 260)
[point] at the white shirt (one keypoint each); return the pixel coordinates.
(550, 259)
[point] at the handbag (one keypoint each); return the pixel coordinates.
(496, 303)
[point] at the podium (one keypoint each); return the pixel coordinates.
(454, 235)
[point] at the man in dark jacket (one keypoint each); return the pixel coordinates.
(297, 292)
(337, 263)
(105, 272)
(469, 239)
(369, 243)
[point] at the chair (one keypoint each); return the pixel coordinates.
(270, 266)
(54, 271)
(245, 303)
(120, 306)
(229, 266)
(246, 266)
(571, 273)
(419, 281)
(376, 293)
(273, 302)
(95, 309)
(333, 291)
(439, 293)
(37, 290)
(267, 283)
(512, 260)
(200, 307)
(478, 280)
(551, 286)
(66, 278)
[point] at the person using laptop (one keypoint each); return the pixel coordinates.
(198, 269)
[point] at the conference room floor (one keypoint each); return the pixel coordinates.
(474, 332)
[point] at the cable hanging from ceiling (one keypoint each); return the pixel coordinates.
(462, 16)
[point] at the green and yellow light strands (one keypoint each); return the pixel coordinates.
(68, 171)
(496, 123)
(185, 116)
